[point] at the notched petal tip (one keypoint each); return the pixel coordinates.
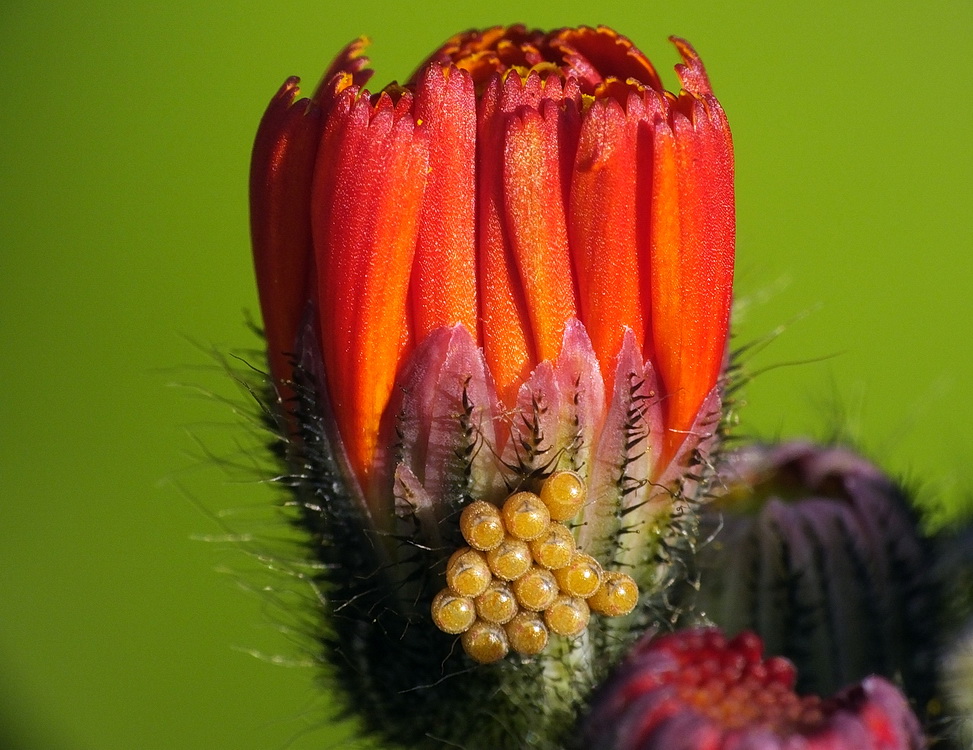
(692, 74)
(353, 61)
(598, 53)
(276, 118)
(290, 90)
(474, 50)
(349, 68)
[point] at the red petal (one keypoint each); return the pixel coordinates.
(657, 700)
(692, 74)
(527, 137)
(281, 170)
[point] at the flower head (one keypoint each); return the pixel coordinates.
(517, 182)
(515, 267)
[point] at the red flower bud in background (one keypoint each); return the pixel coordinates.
(696, 690)
(822, 555)
(516, 264)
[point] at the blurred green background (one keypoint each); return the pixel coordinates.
(124, 137)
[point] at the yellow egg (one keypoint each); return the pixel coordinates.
(567, 615)
(510, 560)
(564, 495)
(535, 589)
(481, 525)
(527, 633)
(581, 577)
(485, 642)
(452, 614)
(467, 572)
(497, 604)
(617, 595)
(525, 516)
(555, 548)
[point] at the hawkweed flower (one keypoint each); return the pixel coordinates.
(698, 690)
(496, 301)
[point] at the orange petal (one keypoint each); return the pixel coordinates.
(443, 289)
(504, 323)
(535, 214)
(369, 181)
(692, 257)
(606, 246)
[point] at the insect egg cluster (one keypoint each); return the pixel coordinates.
(522, 576)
